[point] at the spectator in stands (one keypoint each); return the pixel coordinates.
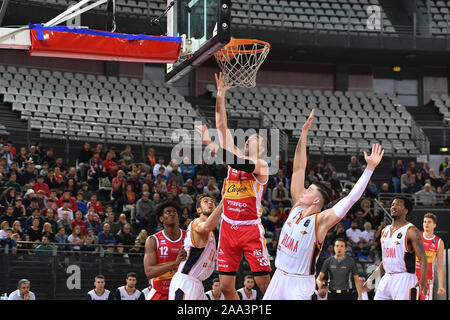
(211, 189)
(159, 165)
(111, 166)
(58, 182)
(371, 189)
(367, 212)
(88, 248)
(65, 208)
(111, 219)
(41, 185)
(7, 244)
(34, 213)
(78, 221)
(425, 170)
(151, 159)
(22, 158)
(119, 184)
(49, 158)
(44, 248)
(61, 238)
(443, 165)
(280, 195)
(71, 186)
(75, 239)
(360, 220)
(185, 199)
(354, 169)
(35, 158)
(354, 234)
(334, 194)
(83, 160)
(368, 235)
(319, 170)
(312, 177)
(44, 169)
(174, 186)
(397, 173)
(144, 209)
(17, 229)
(405, 180)
(28, 174)
(12, 183)
(425, 196)
(128, 157)
(434, 180)
(81, 205)
(335, 183)
(34, 231)
(93, 222)
(20, 211)
(48, 232)
(96, 169)
(8, 215)
(65, 222)
(272, 224)
(413, 185)
(185, 218)
(50, 218)
(4, 225)
(8, 197)
(280, 177)
(129, 201)
(106, 237)
(125, 237)
(98, 208)
(176, 174)
(187, 169)
(420, 179)
(50, 179)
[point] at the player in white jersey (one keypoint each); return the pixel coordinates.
(99, 292)
(305, 229)
(401, 243)
(247, 292)
(128, 291)
(200, 247)
(215, 293)
(146, 290)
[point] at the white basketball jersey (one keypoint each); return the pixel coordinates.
(298, 248)
(124, 295)
(95, 296)
(146, 291)
(210, 296)
(395, 254)
(244, 296)
(200, 261)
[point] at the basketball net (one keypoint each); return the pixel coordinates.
(240, 61)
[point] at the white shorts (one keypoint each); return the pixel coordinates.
(397, 286)
(185, 287)
(285, 286)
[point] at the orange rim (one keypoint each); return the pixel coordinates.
(238, 42)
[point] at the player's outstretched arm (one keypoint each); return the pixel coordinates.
(150, 260)
(206, 139)
(211, 223)
(415, 238)
(440, 267)
(299, 167)
(330, 217)
(225, 137)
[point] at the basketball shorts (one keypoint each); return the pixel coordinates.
(397, 286)
(285, 286)
(247, 239)
(429, 295)
(156, 295)
(185, 287)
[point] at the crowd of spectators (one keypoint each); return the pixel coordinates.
(45, 202)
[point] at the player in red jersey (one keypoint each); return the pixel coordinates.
(164, 251)
(434, 249)
(241, 231)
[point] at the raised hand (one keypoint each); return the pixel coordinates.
(221, 87)
(308, 122)
(202, 130)
(375, 157)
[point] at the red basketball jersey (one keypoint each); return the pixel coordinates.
(431, 248)
(242, 198)
(167, 251)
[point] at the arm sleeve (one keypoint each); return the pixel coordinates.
(341, 208)
(247, 166)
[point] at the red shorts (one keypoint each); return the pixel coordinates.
(156, 295)
(235, 240)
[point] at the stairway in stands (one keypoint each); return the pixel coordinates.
(432, 124)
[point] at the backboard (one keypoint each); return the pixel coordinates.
(204, 25)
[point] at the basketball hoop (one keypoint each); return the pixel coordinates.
(240, 60)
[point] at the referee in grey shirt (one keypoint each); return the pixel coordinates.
(339, 269)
